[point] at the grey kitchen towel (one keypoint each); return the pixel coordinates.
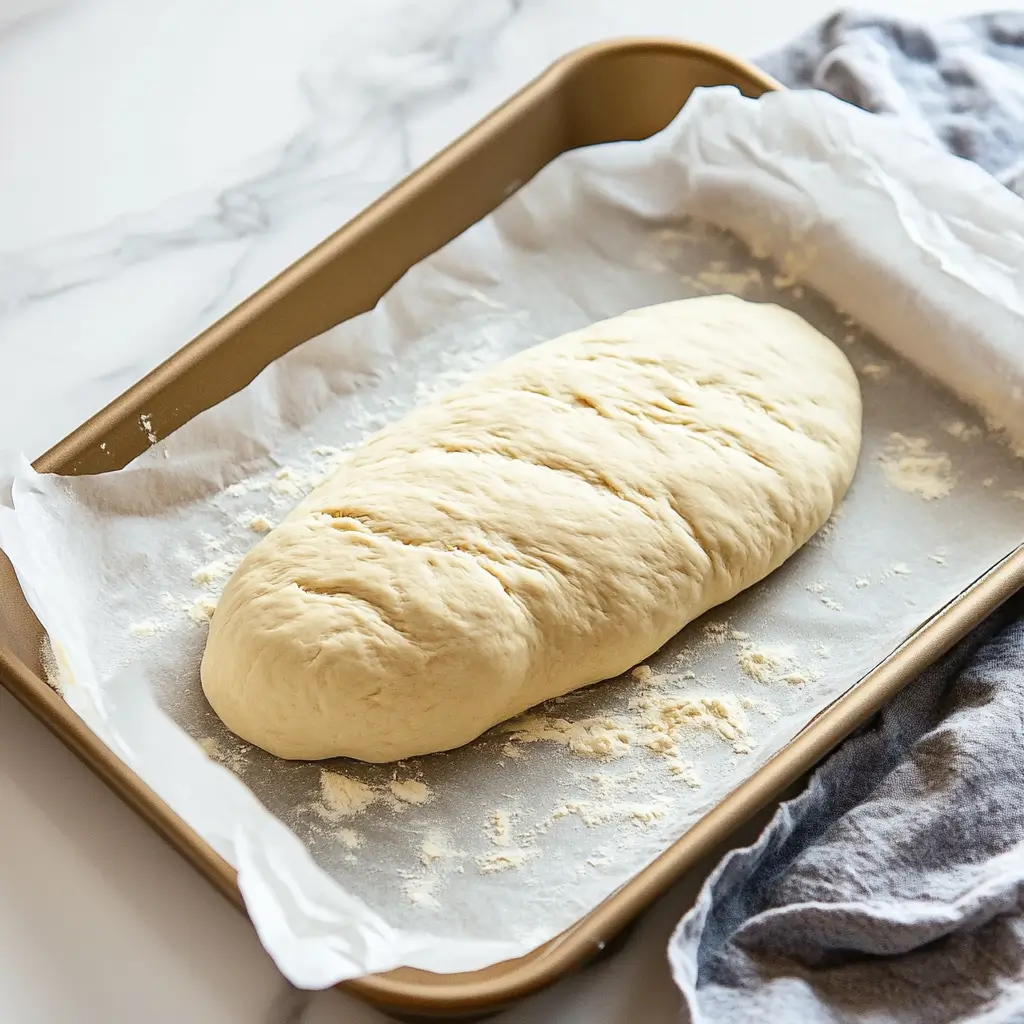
(892, 888)
(961, 83)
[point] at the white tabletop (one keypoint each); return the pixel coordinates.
(160, 162)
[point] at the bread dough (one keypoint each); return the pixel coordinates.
(550, 524)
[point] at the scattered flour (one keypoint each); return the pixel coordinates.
(656, 722)
(215, 571)
(342, 796)
(664, 721)
(793, 265)
(248, 486)
(431, 851)
(256, 522)
(147, 426)
(644, 814)
(499, 828)
(913, 465)
(861, 583)
(411, 791)
(962, 431)
(685, 772)
(827, 530)
(609, 783)
(764, 664)
(210, 543)
(420, 892)
(201, 610)
(289, 483)
(147, 628)
(592, 813)
(876, 371)
(796, 678)
(503, 860)
(716, 632)
(350, 838)
(602, 738)
(832, 604)
(717, 278)
(234, 760)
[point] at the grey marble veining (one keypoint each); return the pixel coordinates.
(353, 95)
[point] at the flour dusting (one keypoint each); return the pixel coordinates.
(602, 738)
(350, 838)
(764, 664)
(913, 465)
(962, 431)
(233, 759)
(411, 791)
(214, 572)
(666, 721)
(499, 828)
(147, 425)
(504, 860)
(876, 371)
(341, 796)
(255, 522)
(201, 610)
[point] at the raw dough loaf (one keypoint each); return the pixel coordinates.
(551, 523)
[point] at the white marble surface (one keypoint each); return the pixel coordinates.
(160, 161)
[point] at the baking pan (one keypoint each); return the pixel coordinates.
(621, 90)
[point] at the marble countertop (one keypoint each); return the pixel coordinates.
(161, 162)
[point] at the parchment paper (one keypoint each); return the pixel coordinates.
(509, 841)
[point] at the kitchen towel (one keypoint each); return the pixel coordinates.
(892, 888)
(959, 83)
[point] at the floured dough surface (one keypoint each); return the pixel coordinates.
(550, 524)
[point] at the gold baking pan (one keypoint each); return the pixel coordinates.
(614, 91)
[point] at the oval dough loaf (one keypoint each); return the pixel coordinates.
(550, 524)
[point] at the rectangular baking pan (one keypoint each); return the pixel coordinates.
(613, 91)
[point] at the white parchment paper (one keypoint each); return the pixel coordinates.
(346, 868)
